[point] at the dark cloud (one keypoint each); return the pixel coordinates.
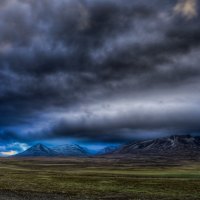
(97, 70)
(8, 136)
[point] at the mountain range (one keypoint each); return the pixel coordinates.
(174, 145)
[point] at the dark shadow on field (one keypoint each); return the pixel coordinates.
(21, 195)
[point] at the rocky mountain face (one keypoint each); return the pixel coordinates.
(173, 145)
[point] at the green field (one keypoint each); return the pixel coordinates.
(100, 178)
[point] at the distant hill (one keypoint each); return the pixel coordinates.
(38, 150)
(70, 150)
(173, 145)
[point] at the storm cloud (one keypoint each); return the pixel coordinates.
(98, 70)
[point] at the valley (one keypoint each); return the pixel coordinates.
(135, 178)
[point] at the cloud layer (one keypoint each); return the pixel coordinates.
(98, 70)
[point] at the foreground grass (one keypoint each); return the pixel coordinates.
(101, 179)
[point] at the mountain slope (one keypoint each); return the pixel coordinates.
(70, 150)
(107, 150)
(173, 145)
(37, 150)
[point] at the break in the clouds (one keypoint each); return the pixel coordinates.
(11, 149)
(98, 71)
(187, 8)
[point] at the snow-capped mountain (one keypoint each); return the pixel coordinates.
(38, 150)
(70, 150)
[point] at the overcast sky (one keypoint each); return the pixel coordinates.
(97, 71)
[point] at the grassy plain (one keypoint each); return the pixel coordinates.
(102, 178)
